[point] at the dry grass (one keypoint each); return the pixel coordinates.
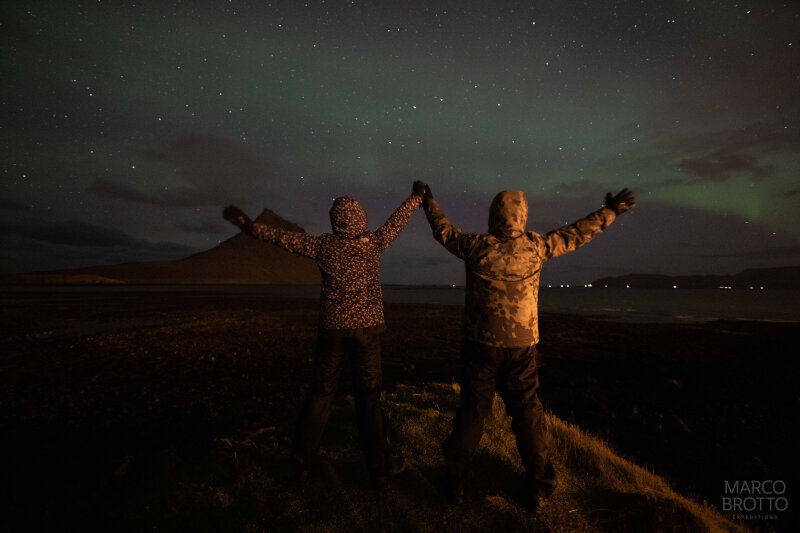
(596, 490)
(248, 484)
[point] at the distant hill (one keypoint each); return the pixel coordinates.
(238, 260)
(784, 278)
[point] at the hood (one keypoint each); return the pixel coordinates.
(348, 218)
(508, 214)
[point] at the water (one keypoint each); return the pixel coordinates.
(628, 305)
(674, 305)
(640, 305)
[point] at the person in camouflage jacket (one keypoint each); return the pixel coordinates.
(501, 327)
(351, 321)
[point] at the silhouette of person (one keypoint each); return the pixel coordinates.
(351, 321)
(501, 328)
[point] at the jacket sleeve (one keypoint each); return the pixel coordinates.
(568, 238)
(456, 241)
(293, 241)
(391, 229)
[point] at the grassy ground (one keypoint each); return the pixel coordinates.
(247, 485)
(177, 419)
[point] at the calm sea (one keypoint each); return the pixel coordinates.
(641, 305)
(628, 305)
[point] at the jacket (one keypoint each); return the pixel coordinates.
(503, 266)
(348, 259)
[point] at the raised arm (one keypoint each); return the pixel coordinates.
(568, 238)
(391, 229)
(456, 241)
(292, 241)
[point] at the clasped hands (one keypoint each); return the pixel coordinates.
(238, 218)
(423, 190)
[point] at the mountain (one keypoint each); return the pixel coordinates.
(238, 260)
(784, 278)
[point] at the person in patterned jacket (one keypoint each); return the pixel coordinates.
(501, 327)
(351, 321)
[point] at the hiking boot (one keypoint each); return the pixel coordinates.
(454, 490)
(534, 489)
(305, 471)
(302, 474)
(532, 499)
(530, 496)
(454, 483)
(394, 467)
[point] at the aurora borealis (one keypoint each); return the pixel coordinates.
(127, 128)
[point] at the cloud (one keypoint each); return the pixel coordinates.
(216, 171)
(716, 154)
(763, 137)
(670, 182)
(110, 189)
(791, 193)
(787, 254)
(543, 225)
(12, 205)
(74, 233)
(581, 188)
(73, 244)
(83, 234)
(722, 167)
(435, 261)
(209, 226)
(698, 245)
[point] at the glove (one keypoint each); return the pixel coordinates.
(622, 202)
(422, 189)
(238, 218)
(426, 197)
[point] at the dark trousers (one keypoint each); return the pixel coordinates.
(512, 372)
(363, 349)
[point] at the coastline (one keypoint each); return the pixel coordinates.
(613, 304)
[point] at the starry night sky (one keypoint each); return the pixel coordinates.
(127, 128)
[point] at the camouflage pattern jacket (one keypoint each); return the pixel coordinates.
(348, 259)
(503, 266)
